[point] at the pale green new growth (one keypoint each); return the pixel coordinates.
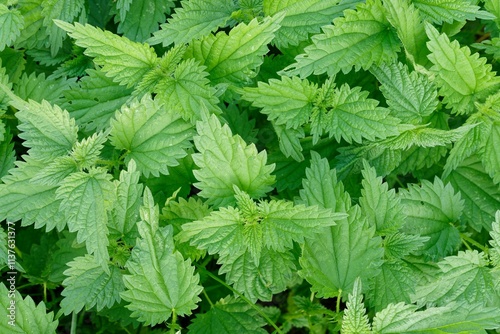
(88, 285)
(12, 22)
(462, 78)
(431, 210)
(195, 19)
(123, 60)
(29, 318)
(410, 96)
(85, 200)
(226, 161)
(228, 316)
(355, 320)
(233, 58)
(359, 39)
(153, 136)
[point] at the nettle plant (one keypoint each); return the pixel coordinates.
(224, 166)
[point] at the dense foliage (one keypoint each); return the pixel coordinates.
(250, 166)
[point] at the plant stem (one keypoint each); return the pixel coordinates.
(208, 298)
(466, 239)
(73, 323)
(269, 321)
(174, 322)
(337, 308)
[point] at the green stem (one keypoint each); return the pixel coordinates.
(73, 323)
(208, 298)
(339, 297)
(173, 326)
(466, 239)
(269, 321)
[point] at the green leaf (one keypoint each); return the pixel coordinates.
(290, 141)
(54, 10)
(182, 212)
(410, 96)
(152, 135)
(395, 283)
(431, 211)
(399, 245)
(274, 225)
(359, 39)
(439, 11)
(454, 318)
(7, 154)
(491, 155)
(288, 101)
(355, 320)
(339, 254)
(94, 102)
(125, 213)
(462, 78)
(160, 282)
(494, 251)
(320, 187)
(67, 249)
(22, 200)
(33, 35)
(304, 18)
(87, 151)
(12, 22)
(193, 20)
(380, 205)
(143, 18)
(227, 316)
(85, 201)
(481, 196)
(47, 130)
(40, 88)
(56, 171)
(88, 285)
(272, 275)
(463, 278)
(347, 113)
(121, 59)
(234, 58)
(226, 161)
(26, 316)
(188, 91)
(407, 21)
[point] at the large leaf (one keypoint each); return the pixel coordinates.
(226, 161)
(85, 201)
(359, 39)
(339, 254)
(23, 315)
(152, 135)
